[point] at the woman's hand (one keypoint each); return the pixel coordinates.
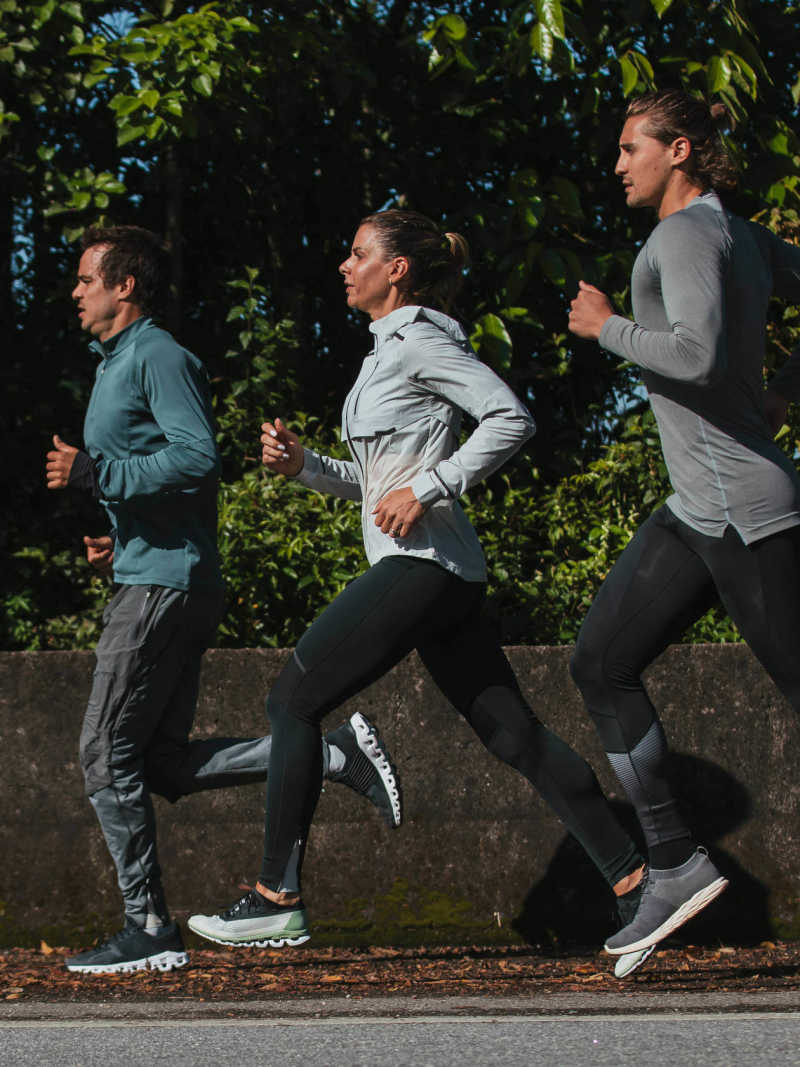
(398, 512)
(281, 450)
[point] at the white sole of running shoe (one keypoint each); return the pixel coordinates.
(686, 911)
(628, 963)
(272, 942)
(164, 961)
(369, 743)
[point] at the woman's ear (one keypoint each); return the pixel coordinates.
(398, 270)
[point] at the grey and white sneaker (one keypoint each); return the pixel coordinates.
(669, 898)
(628, 963)
(255, 921)
(368, 768)
(133, 949)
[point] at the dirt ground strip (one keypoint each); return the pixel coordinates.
(27, 974)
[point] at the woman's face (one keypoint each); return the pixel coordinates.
(370, 278)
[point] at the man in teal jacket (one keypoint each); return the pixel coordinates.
(151, 458)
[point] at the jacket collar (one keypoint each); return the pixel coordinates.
(119, 342)
(393, 323)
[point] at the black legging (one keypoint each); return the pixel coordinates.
(667, 577)
(399, 604)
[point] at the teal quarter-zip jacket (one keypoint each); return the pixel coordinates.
(149, 427)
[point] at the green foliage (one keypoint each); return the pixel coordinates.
(260, 135)
(259, 374)
(549, 548)
(286, 553)
(26, 619)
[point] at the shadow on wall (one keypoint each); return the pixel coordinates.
(572, 904)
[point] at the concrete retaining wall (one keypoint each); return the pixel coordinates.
(479, 857)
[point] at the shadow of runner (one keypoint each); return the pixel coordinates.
(572, 905)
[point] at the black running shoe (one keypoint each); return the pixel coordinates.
(132, 949)
(368, 768)
(254, 920)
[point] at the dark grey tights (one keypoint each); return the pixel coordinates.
(666, 578)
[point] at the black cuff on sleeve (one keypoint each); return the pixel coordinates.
(84, 474)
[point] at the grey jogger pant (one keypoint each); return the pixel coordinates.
(135, 735)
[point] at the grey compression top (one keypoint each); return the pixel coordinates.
(700, 289)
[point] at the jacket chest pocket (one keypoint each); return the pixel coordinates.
(364, 427)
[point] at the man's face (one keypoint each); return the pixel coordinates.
(98, 306)
(645, 164)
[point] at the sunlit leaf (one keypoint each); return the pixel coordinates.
(542, 42)
(128, 134)
(718, 74)
(203, 84)
(630, 75)
(551, 16)
(125, 105)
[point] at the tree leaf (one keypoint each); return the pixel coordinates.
(203, 85)
(553, 267)
(630, 75)
(542, 42)
(718, 73)
(550, 15)
(129, 133)
(125, 105)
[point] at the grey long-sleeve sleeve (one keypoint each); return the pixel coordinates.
(335, 476)
(688, 252)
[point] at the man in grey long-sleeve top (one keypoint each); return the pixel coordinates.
(731, 529)
(152, 459)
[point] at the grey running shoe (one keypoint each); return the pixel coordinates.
(368, 768)
(132, 949)
(254, 920)
(669, 899)
(627, 906)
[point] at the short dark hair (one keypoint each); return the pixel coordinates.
(673, 113)
(436, 259)
(132, 251)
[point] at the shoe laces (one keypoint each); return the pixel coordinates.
(129, 928)
(359, 772)
(628, 903)
(251, 901)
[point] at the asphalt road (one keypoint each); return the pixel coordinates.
(716, 1030)
(709, 1040)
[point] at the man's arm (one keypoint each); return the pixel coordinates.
(177, 393)
(690, 261)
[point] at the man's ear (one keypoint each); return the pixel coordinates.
(127, 287)
(681, 150)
